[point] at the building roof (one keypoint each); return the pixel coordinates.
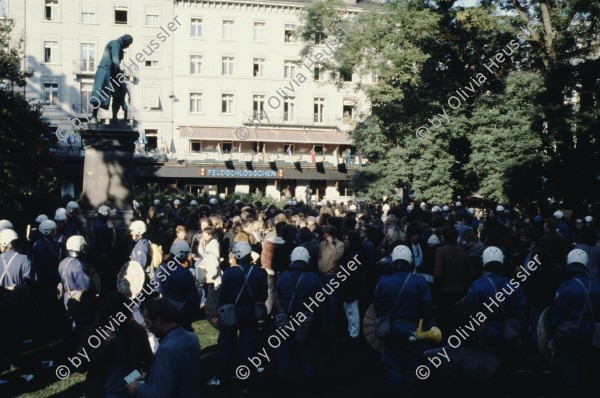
(312, 136)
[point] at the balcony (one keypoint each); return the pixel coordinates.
(85, 111)
(291, 119)
(86, 67)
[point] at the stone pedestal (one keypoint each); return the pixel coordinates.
(107, 174)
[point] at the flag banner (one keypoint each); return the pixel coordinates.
(313, 155)
(219, 151)
(289, 153)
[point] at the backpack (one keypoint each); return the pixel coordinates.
(156, 256)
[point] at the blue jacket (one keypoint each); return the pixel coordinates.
(482, 292)
(231, 283)
(415, 303)
(177, 283)
(19, 269)
(141, 252)
(101, 237)
(308, 287)
(569, 301)
(175, 372)
(45, 261)
(73, 277)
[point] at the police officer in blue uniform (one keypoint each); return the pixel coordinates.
(297, 289)
(575, 311)
(177, 283)
(79, 291)
(502, 301)
(406, 298)
(141, 251)
(73, 225)
(44, 257)
(16, 277)
(101, 242)
(242, 285)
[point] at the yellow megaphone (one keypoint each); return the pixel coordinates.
(434, 334)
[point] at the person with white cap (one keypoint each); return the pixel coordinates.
(45, 259)
(141, 251)
(244, 286)
(405, 298)
(73, 226)
(193, 203)
(60, 236)
(575, 329)
(5, 224)
(563, 227)
(35, 234)
(102, 239)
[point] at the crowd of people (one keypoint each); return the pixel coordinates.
(308, 274)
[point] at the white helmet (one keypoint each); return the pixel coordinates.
(60, 217)
(300, 254)
(41, 218)
(46, 227)
(558, 214)
(589, 219)
(423, 206)
(492, 253)
(402, 252)
(5, 224)
(237, 202)
(386, 207)
(241, 249)
(577, 256)
(176, 202)
(61, 210)
(136, 204)
(290, 203)
(458, 203)
(72, 206)
(445, 208)
(193, 203)
(139, 227)
(410, 208)
(499, 209)
(7, 236)
(156, 202)
(180, 249)
(76, 243)
(433, 240)
(352, 208)
(471, 211)
(213, 201)
(104, 210)
(436, 209)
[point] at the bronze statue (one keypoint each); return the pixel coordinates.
(110, 80)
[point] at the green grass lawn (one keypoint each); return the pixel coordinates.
(72, 386)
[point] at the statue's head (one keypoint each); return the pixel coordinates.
(126, 40)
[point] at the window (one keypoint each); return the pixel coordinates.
(346, 75)
(195, 146)
(289, 69)
(51, 94)
(227, 103)
(151, 20)
(196, 27)
(151, 63)
(88, 12)
(258, 147)
(152, 139)
(51, 52)
(2, 11)
(319, 105)
(227, 66)
(288, 35)
(319, 149)
(258, 69)
(195, 64)
(288, 147)
(258, 106)
(52, 12)
(319, 38)
(228, 29)
(260, 31)
(121, 15)
(151, 97)
(227, 147)
(88, 57)
(318, 74)
(195, 102)
(86, 93)
(288, 109)
(348, 111)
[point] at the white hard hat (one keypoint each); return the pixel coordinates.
(104, 210)
(577, 256)
(61, 210)
(353, 208)
(499, 209)
(386, 207)
(7, 236)
(402, 252)
(589, 218)
(139, 227)
(237, 202)
(46, 227)
(436, 209)
(289, 203)
(471, 210)
(156, 202)
(176, 202)
(423, 206)
(72, 206)
(300, 254)
(433, 240)
(558, 214)
(60, 217)
(410, 208)
(76, 243)
(180, 249)
(193, 203)
(458, 203)
(492, 253)
(445, 208)
(136, 204)
(5, 224)
(241, 249)
(213, 201)
(41, 218)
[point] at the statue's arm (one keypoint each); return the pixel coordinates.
(115, 50)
